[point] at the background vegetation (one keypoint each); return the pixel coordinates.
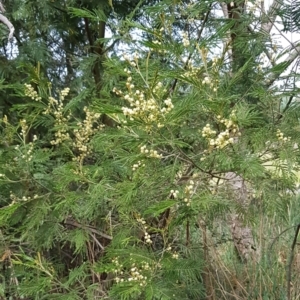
(149, 150)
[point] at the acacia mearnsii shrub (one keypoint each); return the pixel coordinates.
(173, 180)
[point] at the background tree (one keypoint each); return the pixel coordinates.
(145, 145)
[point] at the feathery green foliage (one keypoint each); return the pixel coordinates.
(130, 163)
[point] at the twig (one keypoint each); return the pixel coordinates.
(278, 236)
(289, 266)
(96, 241)
(191, 53)
(10, 26)
(188, 233)
(198, 167)
(76, 224)
(111, 46)
(2, 9)
(288, 61)
(288, 104)
(271, 16)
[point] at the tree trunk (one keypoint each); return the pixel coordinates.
(241, 234)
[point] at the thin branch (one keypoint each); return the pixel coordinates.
(270, 17)
(266, 29)
(188, 241)
(191, 53)
(96, 241)
(88, 32)
(293, 55)
(10, 26)
(224, 9)
(6, 22)
(288, 104)
(2, 9)
(111, 46)
(289, 266)
(277, 238)
(91, 229)
(198, 167)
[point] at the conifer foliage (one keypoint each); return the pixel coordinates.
(148, 150)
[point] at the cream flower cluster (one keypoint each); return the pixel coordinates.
(189, 191)
(158, 38)
(26, 153)
(84, 133)
(61, 134)
(147, 236)
(150, 153)
(222, 140)
(208, 132)
(137, 274)
(212, 83)
(147, 107)
(229, 123)
(55, 108)
(137, 165)
(192, 71)
(215, 61)
(175, 255)
(5, 120)
(64, 93)
(31, 93)
(185, 39)
(206, 80)
(225, 137)
(16, 199)
(174, 194)
(281, 136)
(24, 128)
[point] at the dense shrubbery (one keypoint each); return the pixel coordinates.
(172, 179)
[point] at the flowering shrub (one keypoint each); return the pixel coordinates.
(132, 188)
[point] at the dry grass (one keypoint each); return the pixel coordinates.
(228, 278)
